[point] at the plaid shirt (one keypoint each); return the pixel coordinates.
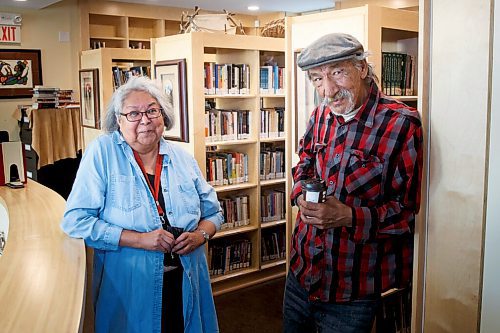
(372, 163)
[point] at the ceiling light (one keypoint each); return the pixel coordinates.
(253, 8)
(21, 0)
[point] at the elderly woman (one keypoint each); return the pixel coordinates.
(144, 207)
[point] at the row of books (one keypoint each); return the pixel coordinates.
(122, 74)
(272, 80)
(226, 168)
(272, 122)
(225, 125)
(272, 205)
(272, 163)
(398, 74)
(273, 244)
(224, 79)
(228, 255)
(51, 97)
(236, 212)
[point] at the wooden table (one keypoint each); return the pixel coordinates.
(42, 270)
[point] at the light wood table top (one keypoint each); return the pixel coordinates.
(42, 270)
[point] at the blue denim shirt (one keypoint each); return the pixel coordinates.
(110, 194)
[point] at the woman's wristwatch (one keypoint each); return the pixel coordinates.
(205, 234)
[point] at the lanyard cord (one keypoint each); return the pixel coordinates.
(155, 191)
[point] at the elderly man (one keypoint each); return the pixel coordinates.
(367, 148)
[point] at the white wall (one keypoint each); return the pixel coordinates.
(40, 30)
(458, 111)
(490, 319)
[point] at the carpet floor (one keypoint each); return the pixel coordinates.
(253, 309)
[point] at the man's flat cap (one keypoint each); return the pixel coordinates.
(329, 48)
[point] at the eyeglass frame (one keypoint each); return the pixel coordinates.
(142, 114)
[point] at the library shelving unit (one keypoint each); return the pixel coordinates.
(104, 60)
(198, 49)
(132, 25)
(124, 25)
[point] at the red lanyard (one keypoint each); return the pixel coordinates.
(155, 191)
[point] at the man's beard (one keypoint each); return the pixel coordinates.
(344, 109)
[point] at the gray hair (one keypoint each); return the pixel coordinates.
(137, 83)
(370, 76)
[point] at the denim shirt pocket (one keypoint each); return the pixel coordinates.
(125, 193)
(190, 197)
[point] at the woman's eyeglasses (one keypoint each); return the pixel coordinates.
(137, 115)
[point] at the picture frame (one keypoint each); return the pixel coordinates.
(89, 98)
(172, 75)
(305, 100)
(20, 72)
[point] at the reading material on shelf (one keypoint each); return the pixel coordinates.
(398, 74)
(122, 73)
(272, 162)
(226, 168)
(272, 205)
(226, 255)
(272, 122)
(226, 125)
(272, 80)
(45, 97)
(273, 244)
(236, 211)
(226, 79)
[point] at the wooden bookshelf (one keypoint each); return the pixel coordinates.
(198, 48)
(104, 59)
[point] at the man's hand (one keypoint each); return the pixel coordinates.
(330, 214)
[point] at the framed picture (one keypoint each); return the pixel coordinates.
(172, 75)
(306, 100)
(89, 98)
(20, 72)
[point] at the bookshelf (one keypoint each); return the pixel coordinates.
(104, 60)
(124, 25)
(200, 49)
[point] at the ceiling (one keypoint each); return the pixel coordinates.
(238, 6)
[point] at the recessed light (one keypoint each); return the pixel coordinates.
(253, 8)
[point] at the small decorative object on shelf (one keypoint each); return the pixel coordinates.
(210, 22)
(274, 28)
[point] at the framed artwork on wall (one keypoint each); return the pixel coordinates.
(20, 72)
(172, 75)
(89, 98)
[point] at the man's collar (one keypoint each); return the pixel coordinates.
(367, 112)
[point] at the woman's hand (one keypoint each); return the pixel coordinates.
(156, 240)
(187, 242)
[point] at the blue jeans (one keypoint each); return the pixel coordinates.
(303, 316)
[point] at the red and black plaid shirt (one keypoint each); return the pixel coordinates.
(372, 163)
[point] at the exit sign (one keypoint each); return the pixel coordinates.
(10, 28)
